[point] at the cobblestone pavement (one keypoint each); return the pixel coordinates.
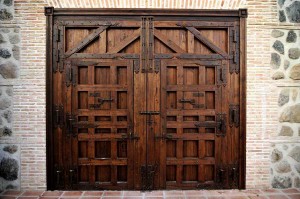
(191, 194)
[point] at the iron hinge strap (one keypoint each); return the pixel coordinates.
(221, 74)
(70, 74)
(234, 115)
(58, 113)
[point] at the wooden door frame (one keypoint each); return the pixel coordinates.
(51, 13)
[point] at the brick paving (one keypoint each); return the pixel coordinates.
(173, 194)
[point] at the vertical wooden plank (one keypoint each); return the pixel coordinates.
(49, 102)
(243, 90)
(130, 144)
(179, 143)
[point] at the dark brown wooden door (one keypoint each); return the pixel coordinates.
(145, 100)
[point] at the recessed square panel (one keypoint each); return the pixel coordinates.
(82, 75)
(82, 149)
(171, 173)
(171, 100)
(171, 148)
(191, 75)
(122, 75)
(171, 75)
(102, 130)
(122, 100)
(102, 173)
(102, 149)
(122, 173)
(83, 100)
(190, 148)
(190, 173)
(102, 75)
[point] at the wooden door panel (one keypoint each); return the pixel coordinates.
(190, 149)
(101, 98)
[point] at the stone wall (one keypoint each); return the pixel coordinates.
(9, 73)
(285, 72)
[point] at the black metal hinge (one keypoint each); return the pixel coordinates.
(234, 50)
(58, 113)
(221, 74)
(70, 74)
(221, 124)
(70, 124)
(72, 173)
(136, 65)
(234, 115)
(59, 177)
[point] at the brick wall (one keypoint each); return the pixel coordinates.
(29, 88)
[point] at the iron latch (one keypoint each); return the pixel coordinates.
(58, 113)
(234, 115)
(220, 124)
(59, 176)
(192, 102)
(149, 112)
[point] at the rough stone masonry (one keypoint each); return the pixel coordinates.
(9, 70)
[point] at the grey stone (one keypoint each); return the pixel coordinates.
(1, 121)
(8, 2)
(278, 75)
(295, 153)
(293, 12)
(281, 182)
(5, 103)
(297, 167)
(284, 97)
(297, 182)
(275, 60)
(291, 114)
(2, 40)
(283, 167)
(286, 64)
(9, 91)
(278, 46)
(11, 149)
(295, 72)
(6, 131)
(285, 147)
(294, 53)
(9, 169)
(281, 2)
(5, 30)
(276, 155)
(17, 30)
(299, 131)
(14, 39)
(8, 116)
(282, 17)
(286, 131)
(8, 70)
(5, 15)
(291, 37)
(10, 186)
(16, 52)
(277, 33)
(4, 53)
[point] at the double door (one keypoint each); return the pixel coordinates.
(145, 101)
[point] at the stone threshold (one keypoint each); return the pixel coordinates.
(174, 194)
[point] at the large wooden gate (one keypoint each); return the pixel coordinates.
(145, 99)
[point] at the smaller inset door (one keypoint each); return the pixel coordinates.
(100, 123)
(191, 105)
